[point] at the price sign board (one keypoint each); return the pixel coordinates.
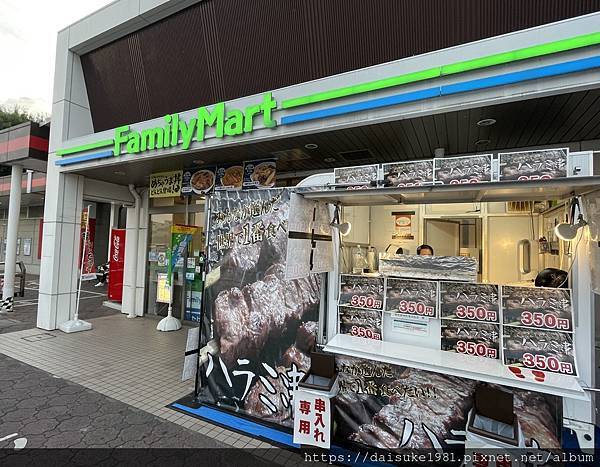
(538, 307)
(411, 297)
(472, 302)
(312, 419)
(407, 174)
(360, 323)
(471, 338)
(542, 164)
(361, 291)
(461, 170)
(363, 176)
(538, 349)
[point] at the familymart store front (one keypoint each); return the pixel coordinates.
(186, 173)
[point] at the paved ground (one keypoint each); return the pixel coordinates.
(38, 410)
(25, 309)
(106, 387)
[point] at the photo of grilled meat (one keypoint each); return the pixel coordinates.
(246, 319)
(398, 408)
(307, 336)
(262, 403)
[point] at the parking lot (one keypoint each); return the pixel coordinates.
(25, 308)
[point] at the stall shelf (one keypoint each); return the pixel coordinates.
(454, 364)
(535, 190)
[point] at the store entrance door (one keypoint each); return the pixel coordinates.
(187, 273)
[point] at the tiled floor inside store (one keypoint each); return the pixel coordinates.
(128, 360)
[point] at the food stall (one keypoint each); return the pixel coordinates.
(442, 352)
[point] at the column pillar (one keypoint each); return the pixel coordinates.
(12, 231)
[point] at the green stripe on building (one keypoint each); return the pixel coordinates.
(454, 68)
(85, 147)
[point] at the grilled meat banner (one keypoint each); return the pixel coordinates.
(539, 350)
(407, 174)
(361, 291)
(364, 176)
(471, 338)
(411, 297)
(402, 409)
(360, 323)
(472, 302)
(460, 170)
(534, 165)
(538, 307)
(263, 325)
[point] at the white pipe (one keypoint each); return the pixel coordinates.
(134, 247)
(12, 229)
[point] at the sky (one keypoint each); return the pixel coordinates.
(28, 31)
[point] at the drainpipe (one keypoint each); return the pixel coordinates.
(134, 246)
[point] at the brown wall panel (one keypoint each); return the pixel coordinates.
(224, 49)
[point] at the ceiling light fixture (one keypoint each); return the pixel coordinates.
(482, 142)
(329, 159)
(198, 161)
(311, 146)
(486, 122)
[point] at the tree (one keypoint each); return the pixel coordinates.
(11, 117)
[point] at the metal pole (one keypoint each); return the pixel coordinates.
(199, 380)
(12, 231)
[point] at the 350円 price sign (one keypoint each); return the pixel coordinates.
(471, 302)
(361, 291)
(411, 297)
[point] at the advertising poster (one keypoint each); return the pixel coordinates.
(229, 177)
(411, 297)
(166, 184)
(537, 349)
(401, 409)
(181, 236)
(198, 180)
(472, 302)
(27, 247)
(364, 176)
(471, 338)
(263, 325)
(116, 265)
(407, 174)
(361, 291)
(538, 307)
(260, 173)
(360, 323)
(403, 228)
(460, 170)
(533, 165)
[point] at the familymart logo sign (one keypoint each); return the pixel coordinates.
(177, 132)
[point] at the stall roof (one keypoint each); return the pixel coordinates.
(481, 192)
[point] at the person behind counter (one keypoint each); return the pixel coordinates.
(425, 250)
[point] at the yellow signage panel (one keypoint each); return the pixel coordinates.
(166, 184)
(163, 291)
